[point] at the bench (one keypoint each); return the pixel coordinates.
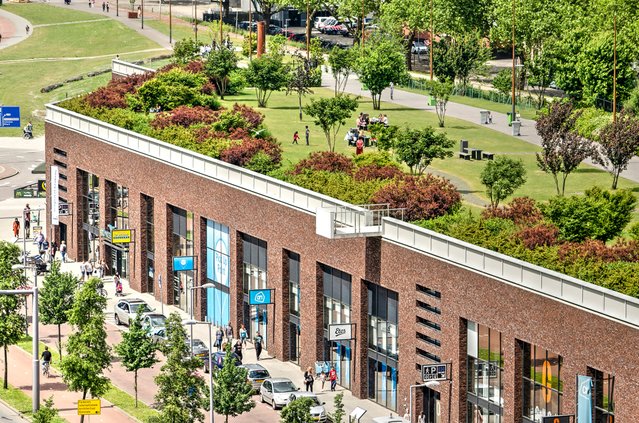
(488, 156)
(465, 156)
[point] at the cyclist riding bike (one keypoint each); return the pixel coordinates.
(46, 361)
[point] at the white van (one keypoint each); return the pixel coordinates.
(320, 20)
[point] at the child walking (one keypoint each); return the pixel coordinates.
(296, 137)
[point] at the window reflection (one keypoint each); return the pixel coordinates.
(543, 387)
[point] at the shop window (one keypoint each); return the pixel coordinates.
(542, 383)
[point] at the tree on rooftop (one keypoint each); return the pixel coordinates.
(218, 67)
(618, 143)
(266, 74)
(330, 114)
(502, 177)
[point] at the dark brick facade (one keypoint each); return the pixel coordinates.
(582, 338)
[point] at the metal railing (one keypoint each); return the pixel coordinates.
(122, 68)
(549, 283)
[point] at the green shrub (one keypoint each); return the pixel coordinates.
(598, 214)
(503, 81)
(237, 82)
(337, 185)
(591, 121)
(229, 120)
(262, 163)
(379, 158)
(633, 231)
(127, 119)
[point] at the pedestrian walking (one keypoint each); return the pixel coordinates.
(308, 379)
(257, 341)
(243, 335)
(88, 269)
(296, 137)
(16, 228)
(219, 336)
(228, 331)
(27, 29)
(308, 135)
(421, 418)
(237, 349)
(26, 214)
(54, 250)
(332, 376)
(63, 251)
(39, 240)
(392, 88)
(107, 7)
(104, 6)
(322, 378)
(82, 271)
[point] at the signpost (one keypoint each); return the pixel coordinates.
(9, 117)
(89, 407)
(55, 199)
(435, 372)
(183, 263)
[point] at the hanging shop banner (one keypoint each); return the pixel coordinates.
(9, 117)
(121, 236)
(55, 192)
(260, 296)
(584, 399)
(341, 332)
(183, 263)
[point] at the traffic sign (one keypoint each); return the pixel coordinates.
(431, 372)
(9, 117)
(89, 407)
(260, 296)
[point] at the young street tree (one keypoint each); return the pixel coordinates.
(563, 149)
(341, 62)
(298, 411)
(502, 177)
(441, 92)
(46, 413)
(299, 81)
(460, 57)
(88, 353)
(218, 68)
(618, 143)
(56, 299)
(330, 114)
(12, 322)
(181, 392)
(266, 74)
(137, 350)
(419, 147)
(232, 393)
(338, 406)
(381, 63)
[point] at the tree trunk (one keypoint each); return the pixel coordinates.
(563, 184)
(5, 384)
(409, 63)
(615, 179)
(309, 19)
(135, 387)
(376, 100)
(299, 96)
(266, 16)
(554, 176)
(84, 396)
(60, 341)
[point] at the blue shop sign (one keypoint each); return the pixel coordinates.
(9, 117)
(183, 263)
(260, 296)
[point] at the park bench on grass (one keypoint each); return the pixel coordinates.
(465, 156)
(488, 156)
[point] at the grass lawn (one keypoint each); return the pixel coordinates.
(282, 120)
(21, 402)
(21, 81)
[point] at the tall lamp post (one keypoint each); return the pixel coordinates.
(250, 32)
(192, 289)
(170, 24)
(432, 39)
(614, 67)
(195, 17)
(513, 66)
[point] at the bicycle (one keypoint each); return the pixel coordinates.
(102, 292)
(45, 368)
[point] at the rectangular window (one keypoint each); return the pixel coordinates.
(254, 271)
(485, 366)
(430, 292)
(182, 245)
(542, 384)
(149, 223)
(603, 386)
(382, 320)
(427, 307)
(294, 283)
(218, 266)
(428, 323)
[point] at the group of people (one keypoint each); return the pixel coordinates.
(225, 336)
(309, 378)
(307, 134)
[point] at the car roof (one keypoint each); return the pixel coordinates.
(253, 366)
(305, 394)
(132, 300)
(155, 315)
(279, 379)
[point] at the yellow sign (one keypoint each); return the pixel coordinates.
(89, 407)
(121, 236)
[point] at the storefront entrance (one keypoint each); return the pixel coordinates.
(117, 259)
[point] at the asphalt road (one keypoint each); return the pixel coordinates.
(8, 415)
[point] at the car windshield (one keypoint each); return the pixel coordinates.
(198, 344)
(136, 306)
(281, 387)
(259, 374)
(157, 320)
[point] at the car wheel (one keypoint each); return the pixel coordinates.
(117, 320)
(273, 404)
(262, 398)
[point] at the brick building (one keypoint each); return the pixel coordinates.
(515, 336)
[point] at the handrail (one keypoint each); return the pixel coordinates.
(555, 285)
(228, 174)
(127, 69)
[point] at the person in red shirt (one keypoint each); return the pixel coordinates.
(332, 376)
(296, 137)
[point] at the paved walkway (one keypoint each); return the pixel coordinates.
(12, 28)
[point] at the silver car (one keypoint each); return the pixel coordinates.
(318, 412)
(153, 321)
(256, 374)
(125, 310)
(277, 392)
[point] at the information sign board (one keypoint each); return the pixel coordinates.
(9, 117)
(431, 372)
(121, 236)
(89, 407)
(260, 296)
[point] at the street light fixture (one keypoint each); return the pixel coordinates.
(192, 322)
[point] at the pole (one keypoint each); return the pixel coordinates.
(195, 16)
(432, 39)
(211, 404)
(307, 29)
(170, 24)
(35, 347)
(142, 14)
(221, 28)
(363, 16)
(513, 68)
(250, 32)
(117, 8)
(614, 68)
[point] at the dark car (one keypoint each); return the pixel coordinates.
(219, 358)
(274, 29)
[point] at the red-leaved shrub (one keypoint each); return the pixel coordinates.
(113, 95)
(167, 68)
(185, 116)
(325, 160)
(208, 88)
(196, 66)
(374, 171)
(252, 117)
(241, 153)
(595, 250)
(521, 210)
(542, 235)
(424, 197)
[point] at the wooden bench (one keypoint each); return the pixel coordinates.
(465, 156)
(488, 156)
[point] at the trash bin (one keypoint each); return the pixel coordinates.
(510, 118)
(432, 101)
(516, 126)
(483, 117)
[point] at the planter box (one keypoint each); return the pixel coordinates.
(133, 15)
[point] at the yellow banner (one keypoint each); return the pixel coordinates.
(91, 406)
(121, 236)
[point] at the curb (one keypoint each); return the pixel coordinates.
(7, 172)
(9, 406)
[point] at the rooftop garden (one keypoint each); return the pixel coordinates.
(585, 235)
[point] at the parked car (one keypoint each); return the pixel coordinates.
(153, 321)
(277, 392)
(159, 335)
(256, 374)
(219, 358)
(200, 350)
(245, 26)
(126, 309)
(419, 47)
(320, 20)
(318, 412)
(337, 29)
(328, 22)
(274, 29)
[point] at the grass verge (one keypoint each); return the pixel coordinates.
(21, 402)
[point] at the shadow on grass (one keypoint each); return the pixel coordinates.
(590, 170)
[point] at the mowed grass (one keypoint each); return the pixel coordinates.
(21, 81)
(281, 118)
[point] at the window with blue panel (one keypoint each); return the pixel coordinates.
(218, 271)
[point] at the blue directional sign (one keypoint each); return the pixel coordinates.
(260, 296)
(9, 117)
(183, 263)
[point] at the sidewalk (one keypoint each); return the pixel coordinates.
(12, 29)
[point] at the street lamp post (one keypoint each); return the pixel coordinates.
(614, 68)
(432, 38)
(170, 24)
(191, 323)
(513, 66)
(192, 289)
